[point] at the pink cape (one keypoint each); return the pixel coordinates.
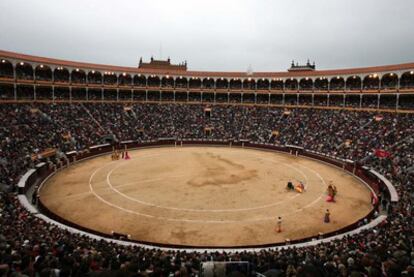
(126, 156)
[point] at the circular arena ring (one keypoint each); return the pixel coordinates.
(205, 196)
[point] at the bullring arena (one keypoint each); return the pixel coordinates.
(205, 196)
(263, 139)
(210, 157)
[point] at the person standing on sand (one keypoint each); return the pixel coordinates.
(279, 224)
(327, 218)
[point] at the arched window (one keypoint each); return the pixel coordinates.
(337, 83)
(263, 84)
(43, 73)
(124, 79)
(94, 77)
(222, 83)
(6, 69)
(181, 82)
(249, 84)
(154, 81)
(140, 80)
(321, 83)
(235, 83)
(195, 82)
(24, 71)
(61, 75)
(389, 81)
(407, 80)
(305, 84)
(291, 84)
(78, 76)
(353, 83)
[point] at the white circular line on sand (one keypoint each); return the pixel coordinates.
(194, 220)
(108, 181)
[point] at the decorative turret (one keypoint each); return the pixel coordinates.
(161, 64)
(297, 67)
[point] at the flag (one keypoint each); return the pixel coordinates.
(374, 199)
(380, 153)
(378, 117)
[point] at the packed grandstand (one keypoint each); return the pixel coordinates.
(362, 115)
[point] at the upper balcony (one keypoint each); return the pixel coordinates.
(23, 69)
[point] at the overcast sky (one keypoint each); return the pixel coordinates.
(223, 35)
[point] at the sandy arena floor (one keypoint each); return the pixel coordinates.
(205, 196)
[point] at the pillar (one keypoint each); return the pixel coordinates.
(397, 101)
(398, 84)
(379, 83)
(15, 82)
(378, 101)
(15, 90)
(14, 73)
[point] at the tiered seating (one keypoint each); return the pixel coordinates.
(31, 246)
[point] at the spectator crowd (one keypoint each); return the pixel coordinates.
(31, 247)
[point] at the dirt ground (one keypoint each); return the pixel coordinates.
(205, 196)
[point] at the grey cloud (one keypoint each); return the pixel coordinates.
(213, 35)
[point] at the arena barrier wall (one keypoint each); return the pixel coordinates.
(43, 171)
